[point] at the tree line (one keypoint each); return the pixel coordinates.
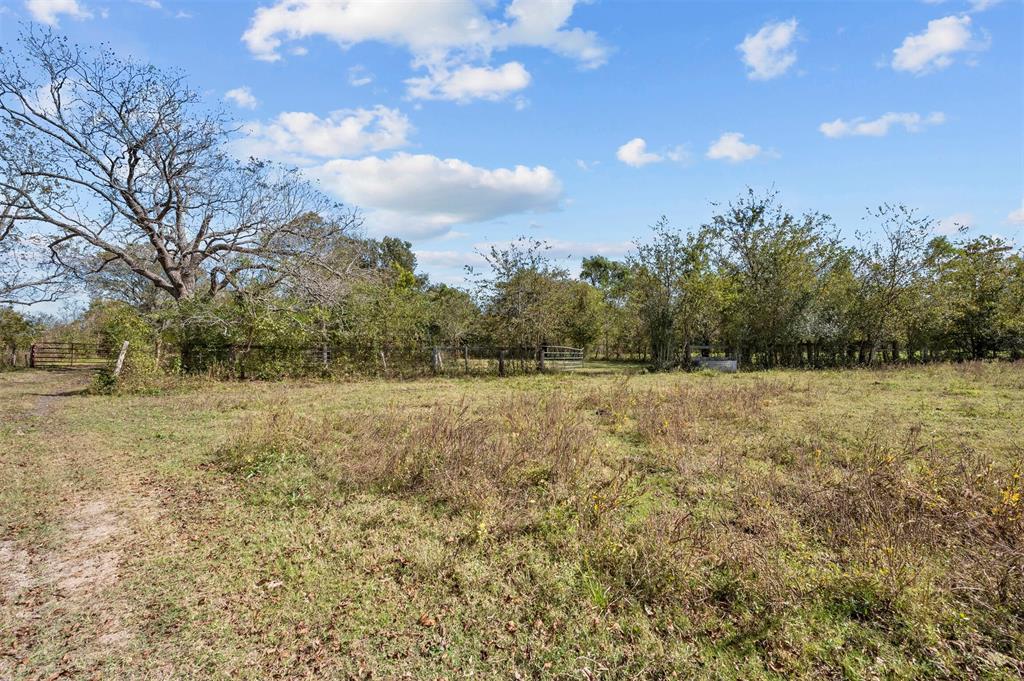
(116, 179)
(775, 289)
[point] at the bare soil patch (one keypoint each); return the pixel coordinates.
(59, 589)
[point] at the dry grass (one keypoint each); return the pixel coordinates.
(857, 525)
(524, 455)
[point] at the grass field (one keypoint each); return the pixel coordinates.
(858, 524)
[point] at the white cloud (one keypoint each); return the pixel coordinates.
(731, 147)
(49, 11)
(451, 40)
(768, 52)
(182, 14)
(952, 224)
(152, 4)
(449, 259)
(422, 195)
(634, 153)
(586, 166)
(879, 127)
(300, 137)
(422, 27)
(679, 154)
(1017, 217)
(982, 5)
(934, 48)
(359, 76)
(242, 97)
(470, 82)
(541, 23)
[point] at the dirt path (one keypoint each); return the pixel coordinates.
(62, 552)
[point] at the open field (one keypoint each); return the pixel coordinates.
(859, 524)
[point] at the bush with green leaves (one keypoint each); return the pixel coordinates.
(16, 335)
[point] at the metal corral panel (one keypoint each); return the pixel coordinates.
(560, 358)
(725, 365)
(52, 355)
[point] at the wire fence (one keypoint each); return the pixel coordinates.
(274, 361)
(363, 358)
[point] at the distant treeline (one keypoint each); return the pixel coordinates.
(756, 282)
(775, 289)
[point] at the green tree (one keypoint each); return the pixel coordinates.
(16, 334)
(974, 278)
(619, 328)
(453, 315)
(889, 272)
(521, 294)
(1010, 315)
(773, 262)
(669, 286)
(583, 315)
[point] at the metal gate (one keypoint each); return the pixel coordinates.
(562, 358)
(68, 355)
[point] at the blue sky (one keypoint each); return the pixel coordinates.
(457, 124)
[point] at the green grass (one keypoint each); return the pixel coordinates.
(856, 524)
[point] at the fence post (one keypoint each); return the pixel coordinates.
(32, 357)
(435, 360)
(501, 363)
(465, 357)
(120, 359)
(541, 354)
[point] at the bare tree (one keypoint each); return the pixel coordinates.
(29, 272)
(122, 162)
(323, 263)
